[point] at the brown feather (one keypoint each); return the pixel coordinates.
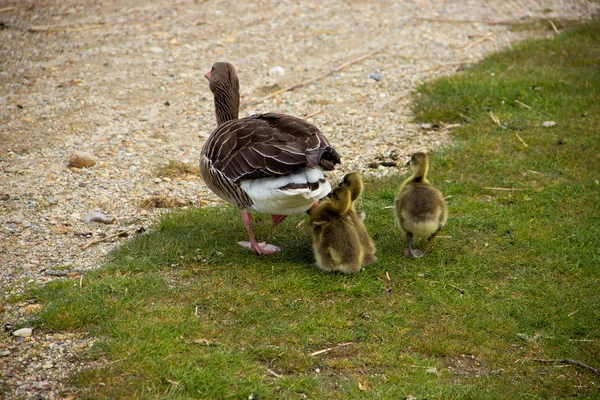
(258, 146)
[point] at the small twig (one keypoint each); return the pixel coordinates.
(522, 141)
(466, 118)
(452, 64)
(318, 352)
(496, 120)
(487, 36)
(104, 239)
(504, 189)
(275, 374)
(314, 113)
(318, 78)
(566, 361)
(66, 28)
(451, 126)
(469, 21)
(554, 28)
(7, 9)
(523, 105)
(461, 291)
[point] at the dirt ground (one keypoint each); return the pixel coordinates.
(123, 80)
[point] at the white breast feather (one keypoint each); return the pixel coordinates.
(268, 198)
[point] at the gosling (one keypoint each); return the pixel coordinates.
(420, 208)
(354, 183)
(336, 244)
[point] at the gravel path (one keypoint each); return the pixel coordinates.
(123, 80)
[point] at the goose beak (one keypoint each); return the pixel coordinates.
(207, 75)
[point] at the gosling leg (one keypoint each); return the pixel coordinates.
(410, 252)
(434, 234)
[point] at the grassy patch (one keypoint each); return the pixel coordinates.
(175, 169)
(183, 312)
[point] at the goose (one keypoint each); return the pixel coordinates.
(271, 163)
(354, 183)
(420, 209)
(336, 243)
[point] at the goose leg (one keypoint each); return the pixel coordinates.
(410, 252)
(277, 219)
(259, 248)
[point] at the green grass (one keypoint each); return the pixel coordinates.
(183, 312)
(174, 169)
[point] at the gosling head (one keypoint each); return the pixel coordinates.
(419, 163)
(341, 200)
(354, 183)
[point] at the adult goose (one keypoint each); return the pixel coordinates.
(270, 163)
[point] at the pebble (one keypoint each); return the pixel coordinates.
(97, 216)
(549, 124)
(42, 385)
(23, 332)
(276, 71)
(81, 159)
(48, 365)
(375, 76)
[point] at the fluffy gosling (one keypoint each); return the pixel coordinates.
(354, 183)
(336, 244)
(420, 208)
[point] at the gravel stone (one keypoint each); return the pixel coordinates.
(23, 332)
(82, 159)
(96, 77)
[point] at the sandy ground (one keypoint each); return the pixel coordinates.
(123, 80)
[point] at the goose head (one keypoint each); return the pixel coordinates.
(225, 86)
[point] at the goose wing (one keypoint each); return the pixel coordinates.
(267, 145)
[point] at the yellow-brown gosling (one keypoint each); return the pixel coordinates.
(419, 207)
(354, 183)
(336, 244)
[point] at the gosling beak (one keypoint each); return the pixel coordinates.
(207, 75)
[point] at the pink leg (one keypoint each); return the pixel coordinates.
(259, 248)
(277, 219)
